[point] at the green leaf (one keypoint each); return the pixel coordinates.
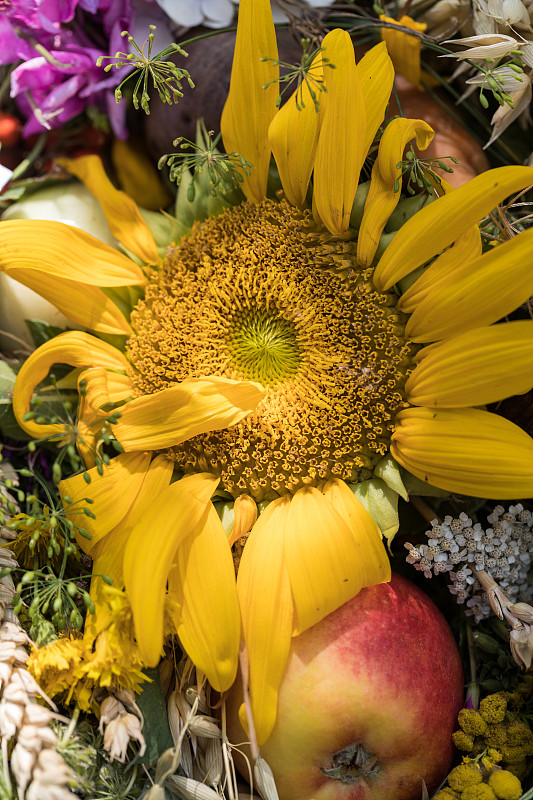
(155, 729)
(42, 332)
(8, 423)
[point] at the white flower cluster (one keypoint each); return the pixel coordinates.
(459, 546)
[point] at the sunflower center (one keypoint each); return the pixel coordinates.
(264, 348)
(259, 293)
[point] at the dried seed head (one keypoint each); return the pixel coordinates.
(189, 789)
(523, 611)
(205, 726)
(213, 762)
(264, 780)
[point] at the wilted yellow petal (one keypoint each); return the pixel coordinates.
(98, 390)
(478, 367)
(325, 562)
(74, 348)
(293, 136)
(108, 552)
(340, 150)
(249, 108)
(112, 494)
(442, 222)
(374, 562)
(376, 76)
(203, 584)
(123, 216)
(404, 48)
(267, 612)
(194, 406)
(476, 293)
(465, 451)
(150, 551)
(467, 247)
(386, 181)
(138, 175)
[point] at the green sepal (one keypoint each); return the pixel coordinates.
(384, 240)
(405, 283)
(405, 210)
(165, 228)
(226, 514)
(156, 731)
(381, 502)
(417, 487)
(358, 207)
(390, 471)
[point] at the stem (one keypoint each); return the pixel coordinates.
(473, 688)
(72, 725)
(424, 509)
(243, 661)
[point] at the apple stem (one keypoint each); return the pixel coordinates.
(243, 661)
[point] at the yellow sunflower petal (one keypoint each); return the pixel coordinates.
(67, 266)
(404, 48)
(376, 75)
(385, 184)
(102, 386)
(112, 494)
(249, 108)
(64, 252)
(209, 625)
(478, 367)
(150, 552)
(374, 562)
(442, 222)
(267, 612)
(293, 136)
(108, 553)
(74, 348)
(84, 305)
(122, 214)
(340, 150)
(476, 293)
(194, 406)
(467, 247)
(324, 560)
(466, 451)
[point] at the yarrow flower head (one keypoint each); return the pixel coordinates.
(273, 379)
(459, 547)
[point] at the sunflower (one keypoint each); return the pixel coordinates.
(272, 376)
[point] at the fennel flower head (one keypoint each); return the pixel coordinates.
(267, 375)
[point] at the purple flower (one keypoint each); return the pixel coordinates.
(50, 94)
(51, 89)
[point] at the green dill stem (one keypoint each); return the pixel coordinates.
(473, 687)
(34, 153)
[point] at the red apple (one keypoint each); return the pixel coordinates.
(368, 702)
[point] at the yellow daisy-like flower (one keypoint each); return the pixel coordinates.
(106, 655)
(272, 362)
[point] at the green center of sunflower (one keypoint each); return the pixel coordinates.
(264, 348)
(258, 293)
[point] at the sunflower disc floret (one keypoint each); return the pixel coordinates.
(257, 294)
